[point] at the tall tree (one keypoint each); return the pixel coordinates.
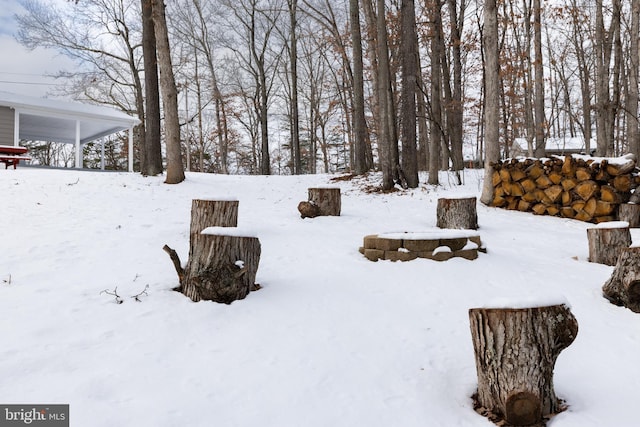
(632, 101)
(436, 129)
(358, 120)
(151, 152)
(293, 58)
(385, 142)
(409, 58)
(540, 121)
(175, 167)
(491, 96)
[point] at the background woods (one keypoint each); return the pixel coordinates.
(307, 86)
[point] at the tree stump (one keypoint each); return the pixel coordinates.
(630, 212)
(223, 261)
(457, 213)
(308, 210)
(515, 352)
(327, 200)
(623, 287)
(607, 241)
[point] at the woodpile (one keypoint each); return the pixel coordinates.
(578, 187)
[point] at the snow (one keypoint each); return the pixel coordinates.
(230, 231)
(331, 339)
(612, 224)
(433, 234)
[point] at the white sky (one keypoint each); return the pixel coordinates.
(23, 71)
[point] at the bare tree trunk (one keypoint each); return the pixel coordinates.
(540, 120)
(435, 135)
(385, 149)
(175, 168)
(633, 134)
(492, 97)
(516, 352)
(358, 121)
(409, 56)
(455, 107)
(295, 119)
(151, 153)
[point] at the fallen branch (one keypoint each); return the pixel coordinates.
(144, 292)
(113, 293)
(7, 281)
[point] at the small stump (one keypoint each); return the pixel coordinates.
(437, 245)
(457, 213)
(326, 199)
(607, 240)
(623, 287)
(515, 351)
(630, 212)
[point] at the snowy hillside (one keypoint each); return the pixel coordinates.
(331, 339)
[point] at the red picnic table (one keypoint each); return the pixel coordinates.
(11, 155)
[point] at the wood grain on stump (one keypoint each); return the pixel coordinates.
(515, 353)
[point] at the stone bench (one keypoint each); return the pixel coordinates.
(437, 244)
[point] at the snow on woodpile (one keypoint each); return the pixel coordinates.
(578, 187)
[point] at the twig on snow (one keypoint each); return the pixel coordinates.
(113, 293)
(144, 292)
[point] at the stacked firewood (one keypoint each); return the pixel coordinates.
(579, 187)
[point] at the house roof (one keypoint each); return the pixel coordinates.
(43, 119)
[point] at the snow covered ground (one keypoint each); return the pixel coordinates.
(332, 339)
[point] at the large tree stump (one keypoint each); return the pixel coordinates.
(623, 287)
(630, 212)
(515, 352)
(223, 261)
(327, 200)
(607, 241)
(457, 213)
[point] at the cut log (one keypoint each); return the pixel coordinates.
(505, 176)
(308, 210)
(590, 206)
(583, 173)
(528, 185)
(630, 212)
(495, 178)
(604, 208)
(517, 174)
(327, 199)
(539, 209)
(567, 212)
(623, 287)
(535, 170)
(624, 164)
(554, 193)
(609, 194)
(569, 167)
(457, 213)
(586, 189)
(523, 206)
(543, 182)
(553, 210)
(566, 198)
(623, 183)
(556, 177)
(569, 183)
(515, 353)
(607, 243)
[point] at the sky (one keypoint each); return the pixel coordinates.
(21, 70)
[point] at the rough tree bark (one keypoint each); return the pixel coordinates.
(222, 262)
(630, 212)
(457, 213)
(606, 244)
(515, 352)
(623, 287)
(327, 199)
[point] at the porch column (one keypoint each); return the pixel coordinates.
(131, 149)
(101, 153)
(78, 148)
(16, 128)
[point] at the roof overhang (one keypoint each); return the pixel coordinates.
(42, 119)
